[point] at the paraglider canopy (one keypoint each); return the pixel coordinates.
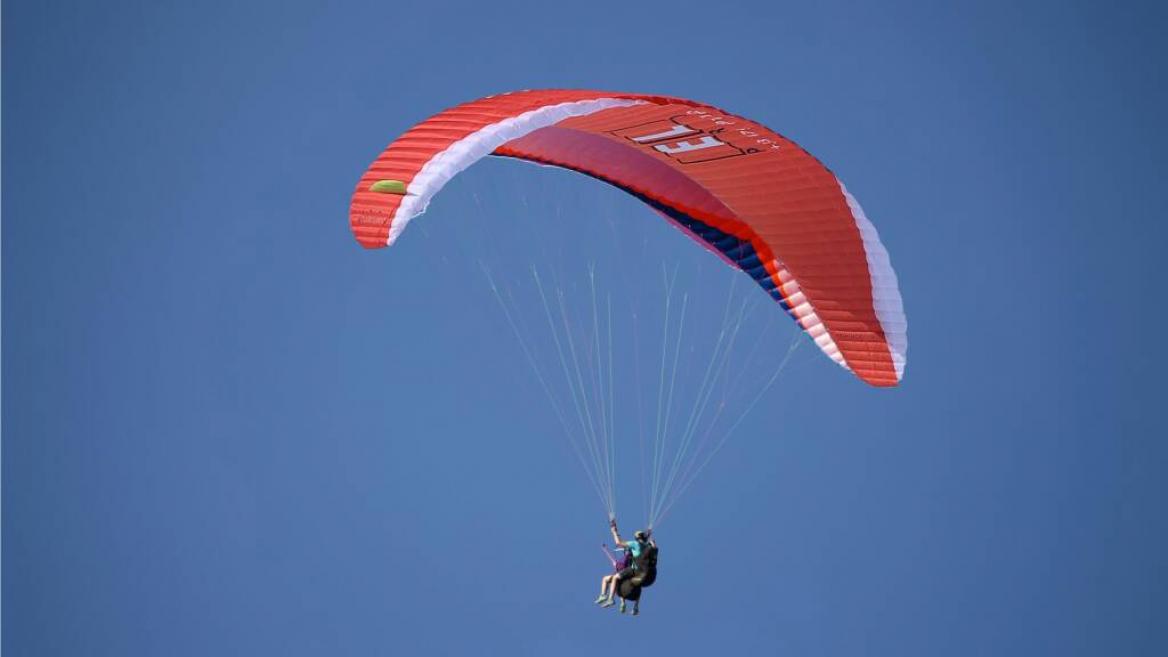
(743, 191)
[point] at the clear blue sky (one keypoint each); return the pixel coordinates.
(229, 430)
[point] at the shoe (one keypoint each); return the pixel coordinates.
(608, 602)
(601, 599)
(622, 607)
(636, 611)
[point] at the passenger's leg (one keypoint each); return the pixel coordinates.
(604, 588)
(613, 584)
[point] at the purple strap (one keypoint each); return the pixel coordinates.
(607, 553)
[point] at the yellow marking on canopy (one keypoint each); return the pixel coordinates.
(388, 187)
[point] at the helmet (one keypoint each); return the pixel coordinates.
(641, 535)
